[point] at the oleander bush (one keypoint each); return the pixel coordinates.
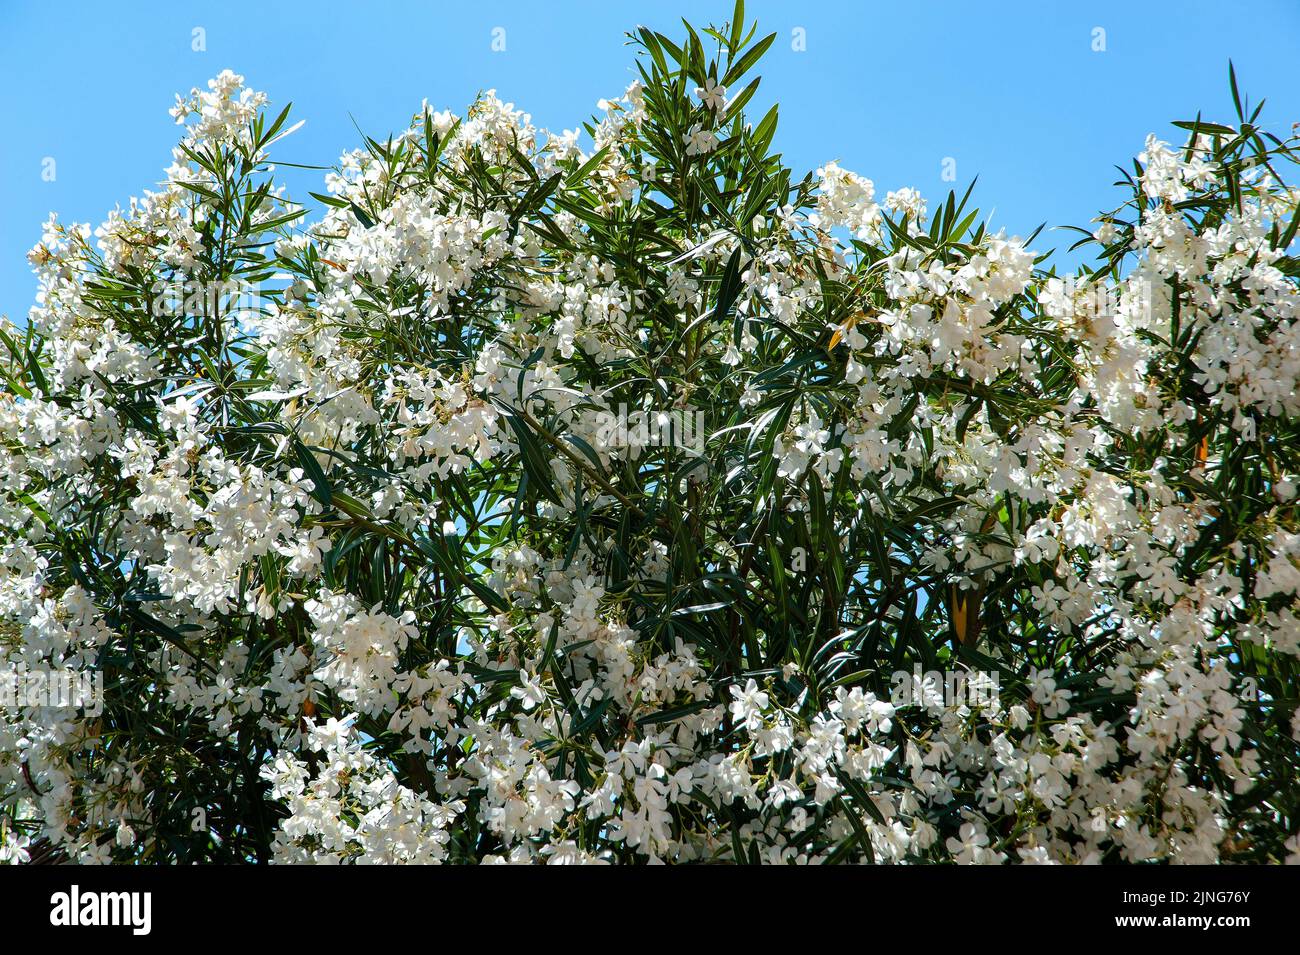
(619, 496)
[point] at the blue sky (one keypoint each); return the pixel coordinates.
(1014, 93)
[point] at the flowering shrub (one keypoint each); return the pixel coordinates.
(338, 513)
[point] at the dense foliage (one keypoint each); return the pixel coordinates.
(363, 526)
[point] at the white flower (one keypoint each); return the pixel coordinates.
(529, 691)
(747, 705)
(700, 141)
(712, 95)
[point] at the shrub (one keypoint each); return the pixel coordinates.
(551, 503)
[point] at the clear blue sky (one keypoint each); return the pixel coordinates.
(1013, 91)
